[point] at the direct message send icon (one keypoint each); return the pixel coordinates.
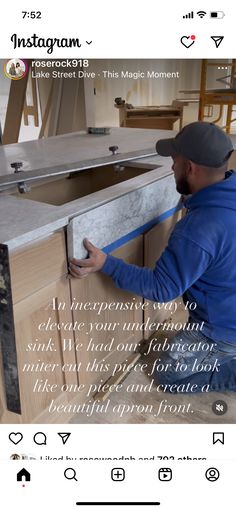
(64, 436)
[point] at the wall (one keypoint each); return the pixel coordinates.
(141, 92)
(93, 104)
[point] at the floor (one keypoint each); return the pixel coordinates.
(158, 407)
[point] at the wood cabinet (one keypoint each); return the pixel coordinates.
(42, 367)
(155, 241)
(108, 326)
(39, 284)
(41, 291)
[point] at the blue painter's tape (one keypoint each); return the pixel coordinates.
(141, 230)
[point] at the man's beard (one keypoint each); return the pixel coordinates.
(182, 186)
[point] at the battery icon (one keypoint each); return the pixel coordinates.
(217, 14)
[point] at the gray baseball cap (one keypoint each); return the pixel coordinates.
(201, 142)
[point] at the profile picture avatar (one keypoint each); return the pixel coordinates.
(15, 69)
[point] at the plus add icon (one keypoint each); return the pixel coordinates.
(117, 474)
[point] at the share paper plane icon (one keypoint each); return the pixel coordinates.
(217, 39)
(64, 436)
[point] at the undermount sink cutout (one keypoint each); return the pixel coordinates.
(80, 184)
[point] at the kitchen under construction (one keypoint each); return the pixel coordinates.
(78, 160)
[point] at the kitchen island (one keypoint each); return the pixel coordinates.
(63, 338)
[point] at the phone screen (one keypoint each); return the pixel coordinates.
(117, 249)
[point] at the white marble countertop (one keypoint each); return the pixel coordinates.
(23, 221)
(74, 147)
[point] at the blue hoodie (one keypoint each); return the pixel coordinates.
(199, 262)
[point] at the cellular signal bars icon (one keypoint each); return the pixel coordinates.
(189, 15)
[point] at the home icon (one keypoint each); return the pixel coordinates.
(23, 475)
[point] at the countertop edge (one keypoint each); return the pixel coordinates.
(59, 216)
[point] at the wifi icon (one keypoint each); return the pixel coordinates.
(201, 14)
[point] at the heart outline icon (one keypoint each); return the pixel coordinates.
(15, 441)
(187, 45)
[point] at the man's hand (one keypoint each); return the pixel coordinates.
(81, 268)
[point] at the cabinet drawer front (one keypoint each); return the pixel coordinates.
(40, 352)
(100, 288)
(37, 265)
(155, 242)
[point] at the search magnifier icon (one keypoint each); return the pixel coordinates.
(70, 474)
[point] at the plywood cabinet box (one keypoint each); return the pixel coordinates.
(41, 290)
(126, 203)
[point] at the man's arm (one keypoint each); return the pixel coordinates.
(80, 268)
(181, 264)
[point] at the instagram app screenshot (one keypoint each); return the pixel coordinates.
(117, 255)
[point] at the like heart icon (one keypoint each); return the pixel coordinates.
(188, 40)
(16, 438)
